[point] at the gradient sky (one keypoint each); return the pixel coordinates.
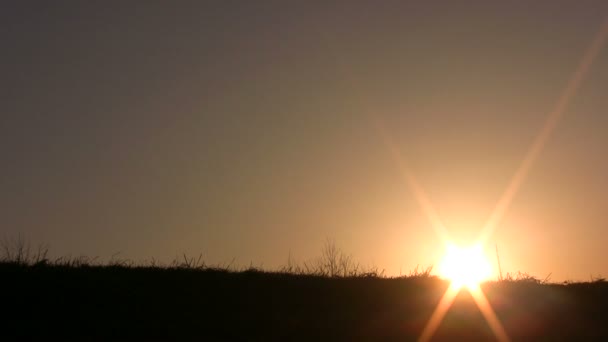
(246, 129)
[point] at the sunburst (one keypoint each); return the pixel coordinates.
(466, 268)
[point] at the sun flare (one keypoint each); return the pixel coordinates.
(465, 266)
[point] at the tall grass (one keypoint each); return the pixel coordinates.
(21, 252)
(332, 262)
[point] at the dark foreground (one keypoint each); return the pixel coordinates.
(122, 303)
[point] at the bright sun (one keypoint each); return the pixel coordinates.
(465, 266)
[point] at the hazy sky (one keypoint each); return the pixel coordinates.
(245, 129)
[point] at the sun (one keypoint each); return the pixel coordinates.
(465, 266)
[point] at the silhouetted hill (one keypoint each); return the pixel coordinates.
(44, 302)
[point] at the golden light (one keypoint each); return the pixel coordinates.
(469, 266)
(465, 266)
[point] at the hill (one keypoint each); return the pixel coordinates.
(116, 302)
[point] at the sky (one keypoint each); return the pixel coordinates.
(248, 131)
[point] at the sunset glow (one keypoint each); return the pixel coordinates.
(465, 266)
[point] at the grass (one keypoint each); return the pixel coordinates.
(84, 299)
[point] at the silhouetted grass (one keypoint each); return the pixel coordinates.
(82, 299)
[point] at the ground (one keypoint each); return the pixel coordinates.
(44, 302)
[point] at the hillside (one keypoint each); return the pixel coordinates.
(152, 303)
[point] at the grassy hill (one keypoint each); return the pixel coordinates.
(78, 301)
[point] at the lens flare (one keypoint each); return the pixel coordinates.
(468, 267)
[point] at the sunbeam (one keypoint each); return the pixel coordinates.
(488, 313)
(414, 185)
(543, 136)
(442, 308)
